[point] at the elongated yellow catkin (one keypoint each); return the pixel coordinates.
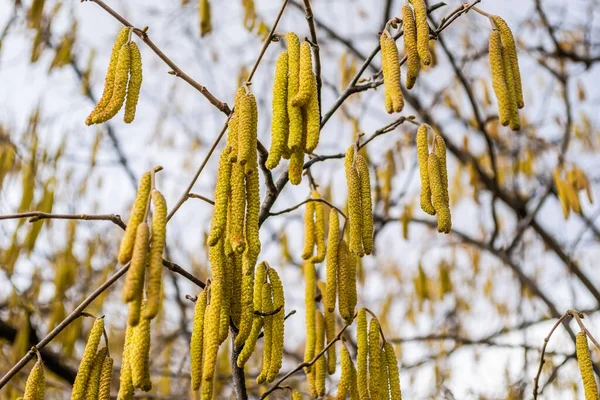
(257, 322)
(238, 208)
(296, 165)
(211, 341)
(120, 87)
(330, 335)
(155, 267)
(499, 77)
(585, 367)
(393, 373)
(222, 191)
(105, 379)
(277, 335)
(245, 134)
(110, 75)
(352, 262)
(134, 311)
(343, 280)
(423, 155)
(309, 230)
(197, 341)
(413, 62)
(437, 194)
(126, 388)
(310, 306)
(346, 378)
(294, 113)
(366, 203)
(247, 316)
(508, 43)
(267, 308)
(280, 124)
(140, 356)
(93, 385)
(312, 117)
(422, 30)
(296, 395)
(354, 204)
(204, 14)
(362, 354)
(306, 77)
(36, 383)
(252, 214)
(319, 231)
(391, 72)
(514, 122)
(321, 363)
(236, 290)
(87, 360)
(233, 124)
(375, 367)
(138, 211)
(135, 82)
(134, 282)
(332, 260)
(440, 153)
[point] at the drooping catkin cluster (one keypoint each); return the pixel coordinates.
(506, 76)
(122, 83)
(434, 178)
(82, 380)
(584, 359)
(394, 102)
(296, 117)
(413, 61)
(347, 384)
(568, 188)
(420, 9)
(360, 205)
(314, 230)
(35, 388)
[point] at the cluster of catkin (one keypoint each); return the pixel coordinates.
(416, 40)
(568, 189)
(506, 77)
(123, 81)
(35, 388)
(434, 178)
(360, 204)
(586, 367)
(296, 121)
(314, 230)
(144, 251)
(95, 370)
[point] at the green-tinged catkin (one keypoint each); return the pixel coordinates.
(252, 213)
(375, 367)
(110, 76)
(247, 312)
(157, 245)
(346, 378)
(295, 113)
(319, 230)
(306, 79)
(586, 367)
(197, 341)
(134, 282)
(257, 321)
(120, 87)
(222, 190)
(36, 383)
(140, 356)
(105, 379)
(93, 385)
(312, 117)
(384, 377)
(126, 388)
(211, 341)
(236, 290)
(362, 354)
(277, 335)
(508, 43)
(354, 204)
(331, 273)
(267, 308)
(204, 16)
(135, 82)
(138, 211)
(437, 194)
(366, 203)
(342, 280)
(440, 152)
(391, 72)
(310, 306)
(296, 395)
(499, 77)
(233, 126)
(280, 124)
(354, 393)
(393, 373)
(309, 230)
(320, 368)
(246, 136)
(330, 335)
(514, 122)
(352, 268)
(87, 360)
(423, 155)
(422, 30)
(413, 62)
(238, 208)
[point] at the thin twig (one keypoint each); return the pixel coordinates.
(310, 19)
(38, 216)
(320, 200)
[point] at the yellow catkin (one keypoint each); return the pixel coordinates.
(277, 335)
(36, 383)
(585, 367)
(110, 76)
(135, 83)
(105, 379)
(384, 378)
(137, 216)
(391, 72)
(306, 77)
(281, 122)
(352, 262)
(366, 203)
(134, 282)
(514, 122)
(222, 190)
(422, 31)
(309, 230)
(508, 43)
(295, 167)
(134, 311)
(257, 321)
(267, 307)
(499, 77)
(312, 117)
(120, 87)
(211, 341)
(413, 62)
(423, 155)
(157, 245)
(332, 260)
(437, 194)
(354, 393)
(246, 317)
(246, 136)
(126, 388)
(232, 137)
(321, 363)
(140, 356)
(440, 153)
(252, 214)
(393, 373)
(197, 341)
(375, 367)
(204, 16)
(330, 335)
(342, 280)
(294, 113)
(93, 385)
(296, 395)
(346, 378)
(236, 291)
(238, 208)
(221, 287)
(87, 360)
(354, 204)
(319, 231)
(310, 306)
(362, 354)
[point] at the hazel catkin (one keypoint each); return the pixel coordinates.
(343, 278)
(362, 354)
(247, 130)
(120, 87)
(329, 336)
(413, 62)
(331, 273)
(267, 308)
(375, 367)
(197, 341)
(211, 341)
(277, 334)
(93, 385)
(423, 155)
(309, 229)
(280, 123)
(296, 165)
(320, 366)
(393, 373)
(204, 14)
(306, 77)
(391, 72)
(437, 194)
(295, 113)
(35, 386)
(366, 203)
(319, 230)
(135, 82)
(138, 211)
(140, 356)
(105, 379)
(233, 126)
(134, 282)
(157, 245)
(311, 114)
(252, 214)
(585, 367)
(440, 153)
(238, 208)
(257, 321)
(354, 204)
(222, 191)
(508, 44)
(499, 77)
(310, 307)
(87, 360)
(346, 377)
(422, 31)
(126, 388)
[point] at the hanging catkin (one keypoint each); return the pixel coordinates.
(306, 77)
(413, 62)
(310, 306)
(510, 49)
(257, 320)
(238, 208)
(222, 190)
(499, 77)
(422, 30)
(332, 260)
(197, 341)
(138, 211)
(440, 153)
(586, 367)
(252, 214)
(211, 340)
(105, 379)
(330, 335)
(280, 124)
(110, 75)
(267, 308)
(135, 82)
(126, 388)
(319, 230)
(93, 385)
(375, 367)
(309, 230)
(278, 325)
(437, 194)
(87, 360)
(236, 290)
(140, 356)
(352, 261)
(134, 282)
(312, 117)
(294, 113)
(247, 130)
(423, 155)
(366, 203)
(120, 87)
(344, 387)
(204, 14)
(391, 73)
(35, 387)
(343, 279)
(362, 354)
(393, 373)
(354, 204)
(232, 137)
(320, 369)
(155, 267)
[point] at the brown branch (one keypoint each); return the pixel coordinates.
(197, 196)
(38, 216)
(319, 200)
(310, 19)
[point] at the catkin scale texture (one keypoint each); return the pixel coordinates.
(135, 82)
(87, 360)
(422, 30)
(366, 203)
(247, 130)
(157, 245)
(277, 333)
(233, 124)
(105, 379)
(508, 43)
(126, 388)
(584, 359)
(391, 71)
(281, 122)
(437, 194)
(440, 153)
(342, 280)
(247, 315)
(138, 211)
(393, 373)
(211, 341)
(362, 354)
(140, 356)
(306, 78)
(134, 282)
(352, 261)
(346, 377)
(309, 230)
(332, 260)
(375, 367)
(330, 335)
(295, 166)
(310, 307)
(354, 204)
(93, 385)
(120, 87)
(295, 113)
(252, 214)
(312, 120)
(499, 77)
(36, 383)
(197, 341)
(423, 155)
(319, 231)
(257, 321)
(320, 369)
(410, 46)
(267, 307)
(222, 191)
(513, 110)
(238, 208)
